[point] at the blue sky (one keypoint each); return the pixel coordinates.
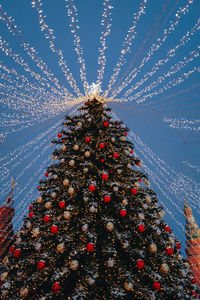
(174, 146)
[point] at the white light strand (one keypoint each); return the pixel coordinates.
(32, 53)
(182, 123)
(106, 24)
(37, 4)
(126, 46)
(171, 53)
(159, 42)
(188, 164)
(73, 15)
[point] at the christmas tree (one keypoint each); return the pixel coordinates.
(96, 231)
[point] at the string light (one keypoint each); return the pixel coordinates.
(182, 123)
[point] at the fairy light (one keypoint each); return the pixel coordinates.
(182, 123)
(171, 53)
(73, 15)
(106, 24)
(194, 167)
(37, 4)
(126, 46)
(155, 46)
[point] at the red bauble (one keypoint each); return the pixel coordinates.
(169, 251)
(59, 135)
(38, 188)
(54, 229)
(30, 207)
(12, 248)
(46, 174)
(134, 191)
(194, 294)
(90, 247)
(105, 124)
(105, 176)
(118, 124)
(115, 155)
(193, 281)
(167, 228)
(47, 219)
(140, 180)
(107, 199)
(131, 151)
(17, 253)
(41, 265)
(102, 160)
(62, 204)
(141, 228)
(111, 171)
(156, 286)
(87, 139)
(92, 188)
(101, 145)
(86, 103)
(138, 163)
(56, 286)
(125, 133)
(64, 140)
(140, 264)
(30, 214)
(123, 212)
(178, 246)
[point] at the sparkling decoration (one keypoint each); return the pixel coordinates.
(85, 227)
(36, 232)
(28, 224)
(60, 247)
(72, 163)
(74, 265)
(93, 209)
(123, 138)
(153, 248)
(66, 182)
(55, 176)
(39, 200)
(48, 205)
(128, 286)
(53, 195)
(24, 292)
(141, 216)
(164, 268)
(115, 188)
(38, 246)
(119, 171)
(3, 276)
(109, 226)
(71, 190)
(129, 166)
(87, 154)
(85, 170)
(67, 215)
(62, 160)
(125, 244)
(79, 124)
(125, 202)
(91, 281)
(76, 147)
(110, 263)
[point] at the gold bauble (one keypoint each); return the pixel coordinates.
(48, 205)
(62, 161)
(72, 162)
(39, 200)
(79, 124)
(153, 248)
(67, 215)
(66, 182)
(128, 286)
(35, 232)
(123, 138)
(3, 276)
(53, 195)
(148, 199)
(164, 268)
(109, 226)
(87, 154)
(125, 202)
(74, 265)
(76, 147)
(71, 190)
(61, 247)
(64, 147)
(24, 291)
(161, 214)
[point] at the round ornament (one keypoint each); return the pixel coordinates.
(85, 170)
(107, 199)
(125, 202)
(145, 206)
(125, 244)
(74, 265)
(56, 286)
(92, 188)
(12, 248)
(63, 148)
(46, 219)
(164, 268)
(72, 163)
(79, 124)
(153, 248)
(169, 251)
(101, 145)
(115, 188)
(67, 215)
(48, 205)
(90, 280)
(129, 166)
(141, 216)
(93, 209)
(128, 286)
(54, 229)
(119, 171)
(141, 228)
(115, 155)
(87, 154)
(178, 246)
(76, 147)
(156, 286)
(167, 229)
(55, 176)
(123, 212)
(38, 246)
(35, 232)
(161, 214)
(90, 247)
(41, 265)
(110, 263)
(62, 204)
(134, 191)
(24, 292)
(87, 139)
(17, 253)
(140, 264)
(59, 135)
(71, 190)
(39, 200)
(85, 227)
(53, 195)
(158, 231)
(148, 199)
(28, 224)
(123, 138)
(113, 139)
(66, 182)
(105, 124)
(136, 184)
(105, 176)
(62, 160)
(109, 226)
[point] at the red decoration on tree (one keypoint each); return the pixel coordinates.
(47, 219)
(92, 188)
(62, 204)
(90, 247)
(30, 207)
(86, 103)
(118, 124)
(123, 212)
(107, 199)
(54, 229)
(46, 174)
(193, 281)
(59, 135)
(56, 287)
(111, 171)
(156, 286)
(141, 228)
(194, 294)
(115, 155)
(131, 151)
(101, 145)
(17, 253)
(178, 246)
(64, 140)
(140, 180)
(169, 251)
(102, 160)
(125, 133)
(30, 214)
(41, 265)
(134, 191)
(38, 188)
(105, 176)
(167, 228)
(87, 139)
(138, 164)
(12, 248)
(140, 264)
(105, 124)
